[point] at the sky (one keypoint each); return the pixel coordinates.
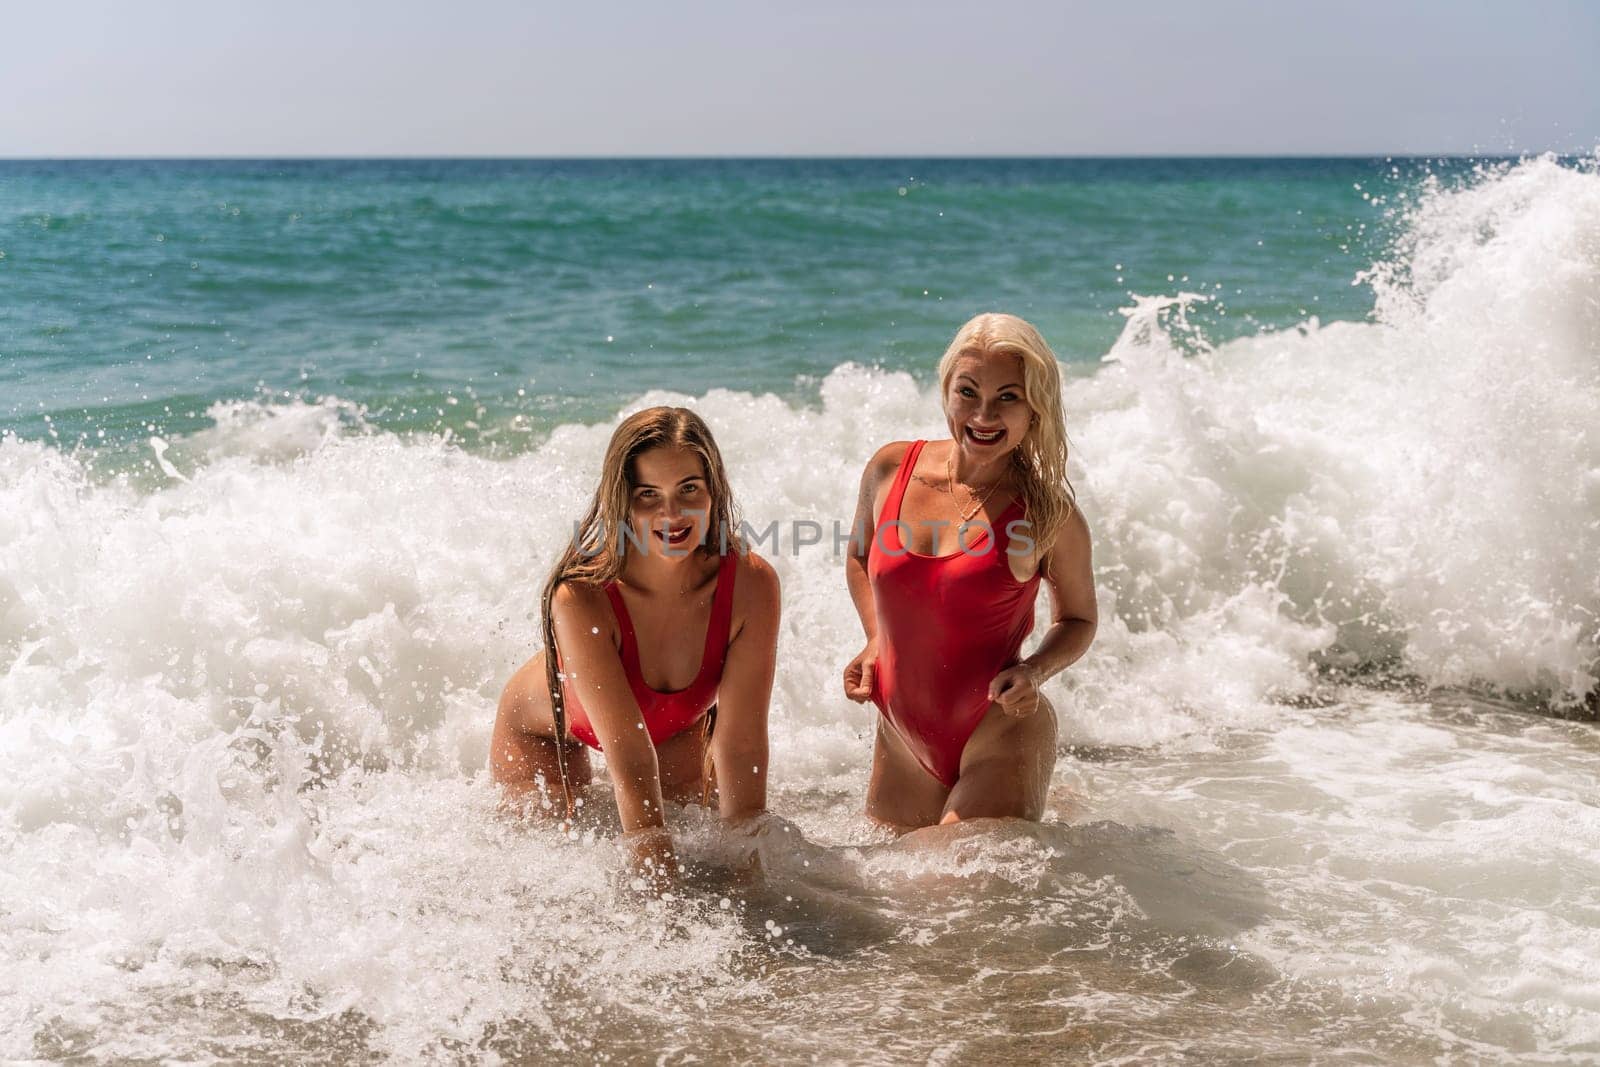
(998, 77)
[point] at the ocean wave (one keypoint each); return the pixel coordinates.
(206, 668)
(1418, 493)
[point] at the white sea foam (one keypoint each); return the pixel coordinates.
(1423, 488)
(240, 713)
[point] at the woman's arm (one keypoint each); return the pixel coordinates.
(594, 671)
(739, 741)
(883, 464)
(1069, 572)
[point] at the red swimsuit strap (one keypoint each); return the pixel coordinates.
(721, 625)
(902, 478)
(630, 646)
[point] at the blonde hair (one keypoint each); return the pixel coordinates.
(1041, 459)
(598, 548)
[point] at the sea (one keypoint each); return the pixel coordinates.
(287, 447)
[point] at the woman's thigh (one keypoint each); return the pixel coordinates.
(901, 794)
(1006, 767)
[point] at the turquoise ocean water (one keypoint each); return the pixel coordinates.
(139, 293)
(287, 448)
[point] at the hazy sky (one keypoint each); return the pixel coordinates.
(496, 77)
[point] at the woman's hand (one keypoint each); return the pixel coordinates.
(859, 674)
(747, 835)
(1016, 689)
(654, 863)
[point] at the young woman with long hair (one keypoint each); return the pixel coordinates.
(955, 538)
(660, 639)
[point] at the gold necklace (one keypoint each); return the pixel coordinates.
(977, 504)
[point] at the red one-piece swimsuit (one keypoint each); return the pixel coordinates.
(946, 626)
(668, 714)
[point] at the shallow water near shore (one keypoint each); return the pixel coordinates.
(1382, 879)
(1326, 787)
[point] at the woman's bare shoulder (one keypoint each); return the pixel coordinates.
(757, 585)
(890, 455)
(884, 462)
(578, 601)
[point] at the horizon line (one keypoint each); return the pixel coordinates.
(779, 157)
(808, 155)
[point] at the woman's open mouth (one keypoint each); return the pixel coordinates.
(676, 538)
(985, 437)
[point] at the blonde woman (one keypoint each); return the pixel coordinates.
(660, 642)
(954, 539)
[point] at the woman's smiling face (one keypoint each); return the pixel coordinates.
(669, 503)
(986, 406)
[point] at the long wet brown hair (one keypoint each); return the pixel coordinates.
(1041, 459)
(598, 548)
